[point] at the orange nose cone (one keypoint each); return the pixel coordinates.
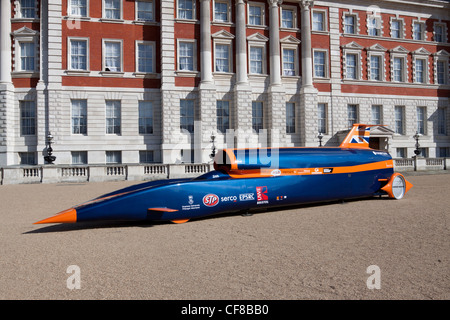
(67, 216)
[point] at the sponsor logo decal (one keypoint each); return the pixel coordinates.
(327, 170)
(210, 200)
(246, 196)
(276, 172)
(261, 195)
(229, 198)
(191, 205)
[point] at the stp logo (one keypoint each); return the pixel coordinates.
(261, 193)
(210, 200)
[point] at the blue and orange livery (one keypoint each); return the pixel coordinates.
(249, 179)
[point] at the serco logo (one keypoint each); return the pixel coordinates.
(210, 200)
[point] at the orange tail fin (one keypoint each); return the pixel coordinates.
(358, 137)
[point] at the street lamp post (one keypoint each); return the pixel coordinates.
(49, 157)
(213, 153)
(416, 137)
(320, 136)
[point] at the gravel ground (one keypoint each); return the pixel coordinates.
(310, 252)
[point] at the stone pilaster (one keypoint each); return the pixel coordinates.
(274, 42)
(205, 41)
(6, 86)
(241, 44)
(307, 70)
(168, 63)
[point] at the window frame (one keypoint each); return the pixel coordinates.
(421, 120)
(351, 121)
(293, 9)
(220, 117)
(69, 9)
(104, 10)
(423, 30)
(82, 114)
(194, 55)
(355, 24)
(137, 11)
(31, 129)
(190, 123)
(290, 117)
(325, 65)
(228, 11)
(401, 29)
(257, 121)
(152, 45)
(104, 43)
(143, 117)
(69, 53)
(322, 118)
(262, 16)
(324, 14)
(399, 130)
(194, 10)
(114, 118)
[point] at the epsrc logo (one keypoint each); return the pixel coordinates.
(210, 200)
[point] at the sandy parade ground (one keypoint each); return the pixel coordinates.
(326, 251)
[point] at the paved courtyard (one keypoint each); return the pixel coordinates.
(326, 251)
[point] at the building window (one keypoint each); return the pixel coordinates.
(113, 117)
(113, 157)
(288, 17)
(186, 56)
(401, 152)
(374, 26)
(79, 116)
(146, 156)
(319, 21)
(441, 72)
(222, 57)
(418, 30)
(27, 118)
(112, 56)
(27, 56)
(352, 114)
(145, 57)
(28, 9)
(145, 117)
(320, 64)
(257, 115)
(350, 24)
(351, 61)
(376, 114)
(221, 11)
(290, 117)
(187, 115)
(144, 11)
(223, 115)
(27, 158)
(256, 14)
(256, 60)
(442, 121)
(399, 69)
(322, 117)
(78, 54)
(112, 9)
(375, 67)
(186, 9)
(440, 32)
(78, 8)
(419, 75)
(423, 152)
(289, 62)
(399, 119)
(397, 28)
(79, 157)
(443, 152)
(421, 119)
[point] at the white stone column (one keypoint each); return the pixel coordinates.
(274, 42)
(241, 44)
(5, 42)
(205, 41)
(307, 70)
